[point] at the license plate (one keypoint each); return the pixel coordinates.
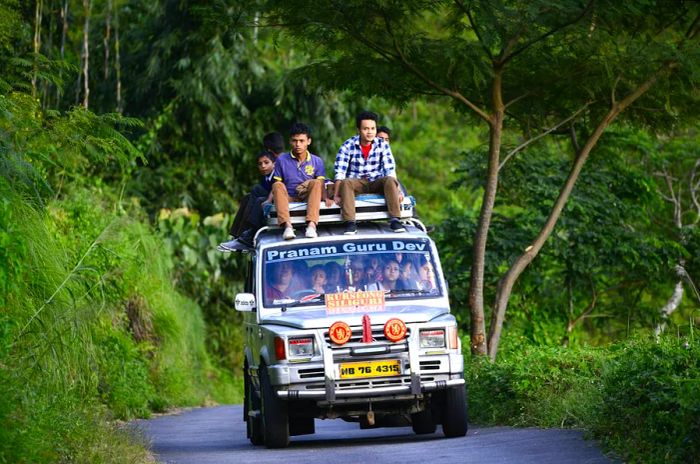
(364, 369)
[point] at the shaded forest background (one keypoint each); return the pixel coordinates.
(128, 131)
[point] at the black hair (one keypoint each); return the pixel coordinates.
(274, 142)
(265, 154)
(384, 129)
(299, 128)
(364, 116)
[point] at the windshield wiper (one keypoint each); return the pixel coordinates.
(406, 291)
(315, 297)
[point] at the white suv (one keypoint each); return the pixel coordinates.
(353, 327)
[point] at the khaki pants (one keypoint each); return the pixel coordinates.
(388, 186)
(312, 196)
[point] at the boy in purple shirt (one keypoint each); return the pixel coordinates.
(299, 176)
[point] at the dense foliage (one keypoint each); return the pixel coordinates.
(128, 131)
(608, 266)
(92, 328)
(639, 397)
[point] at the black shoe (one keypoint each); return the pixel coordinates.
(350, 228)
(396, 226)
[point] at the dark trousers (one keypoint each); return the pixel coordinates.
(249, 216)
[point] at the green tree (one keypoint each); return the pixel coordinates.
(210, 85)
(608, 260)
(675, 162)
(572, 66)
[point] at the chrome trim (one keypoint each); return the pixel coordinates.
(369, 392)
(329, 372)
(414, 361)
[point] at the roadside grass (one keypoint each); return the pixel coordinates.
(91, 331)
(640, 398)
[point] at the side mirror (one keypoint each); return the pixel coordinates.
(245, 302)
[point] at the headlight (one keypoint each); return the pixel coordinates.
(301, 347)
(432, 338)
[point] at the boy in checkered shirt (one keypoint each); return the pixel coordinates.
(365, 164)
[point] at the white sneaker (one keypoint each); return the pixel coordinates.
(288, 233)
(311, 231)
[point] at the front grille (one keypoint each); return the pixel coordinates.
(311, 373)
(432, 365)
(364, 383)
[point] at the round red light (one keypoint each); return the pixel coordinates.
(395, 330)
(339, 333)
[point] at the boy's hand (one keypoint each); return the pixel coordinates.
(400, 196)
(336, 200)
(329, 202)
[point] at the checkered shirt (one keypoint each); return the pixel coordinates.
(350, 164)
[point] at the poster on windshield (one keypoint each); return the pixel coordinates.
(354, 302)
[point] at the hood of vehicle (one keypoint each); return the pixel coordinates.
(315, 318)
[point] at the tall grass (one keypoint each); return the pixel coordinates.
(91, 329)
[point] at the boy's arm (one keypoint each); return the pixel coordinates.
(321, 174)
(336, 193)
(269, 199)
(342, 163)
(389, 165)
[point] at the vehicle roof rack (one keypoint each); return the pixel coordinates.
(368, 207)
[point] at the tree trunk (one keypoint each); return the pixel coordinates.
(37, 44)
(64, 33)
(106, 39)
(505, 285)
(476, 287)
(671, 305)
(86, 54)
(117, 62)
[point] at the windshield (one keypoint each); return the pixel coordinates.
(305, 274)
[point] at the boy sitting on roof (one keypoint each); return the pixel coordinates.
(249, 217)
(365, 164)
(299, 176)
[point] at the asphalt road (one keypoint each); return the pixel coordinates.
(217, 435)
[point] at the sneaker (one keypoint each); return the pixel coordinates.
(226, 247)
(311, 230)
(350, 228)
(246, 238)
(233, 245)
(396, 226)
(288, 233)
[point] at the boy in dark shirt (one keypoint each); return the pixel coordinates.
(249, 217)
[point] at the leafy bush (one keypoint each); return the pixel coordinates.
(542, 386)
(640, 398)
(207, 276)
(651, 401)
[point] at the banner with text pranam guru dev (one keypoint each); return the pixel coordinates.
(354, 302)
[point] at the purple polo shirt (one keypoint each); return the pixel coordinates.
(292, 173)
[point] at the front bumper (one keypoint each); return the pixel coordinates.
(423, 372)
(370, 392)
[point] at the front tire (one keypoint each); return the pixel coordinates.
(275, 414)
(423, 422)
(454, 414)
(252, 405)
